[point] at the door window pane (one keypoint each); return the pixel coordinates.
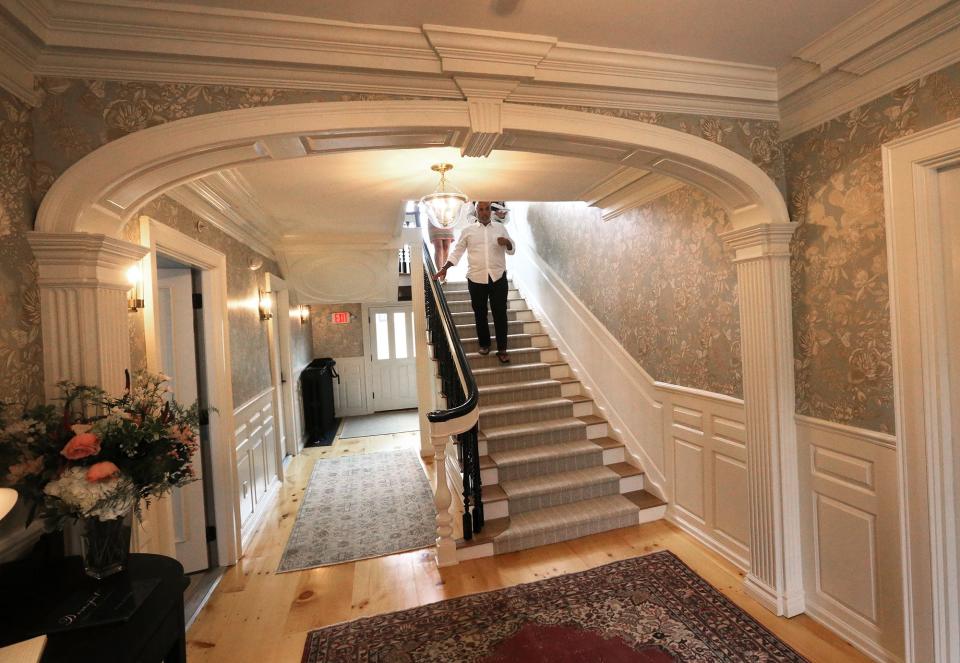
(383, 336)
(400, 334)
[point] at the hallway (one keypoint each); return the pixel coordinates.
(257, 615)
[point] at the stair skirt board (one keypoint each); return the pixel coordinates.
(551, 471)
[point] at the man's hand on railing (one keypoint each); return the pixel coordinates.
(441, 275)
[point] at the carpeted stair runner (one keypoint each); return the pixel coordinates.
(550, 471)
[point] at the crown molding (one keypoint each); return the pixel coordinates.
(887, 45)
(18, 56)
(540, 94)
(225, 200)
(840, 92)
(485, 52)
(579, 64)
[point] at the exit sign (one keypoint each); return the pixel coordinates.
(340, 317)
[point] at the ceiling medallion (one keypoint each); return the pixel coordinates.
(443, 205)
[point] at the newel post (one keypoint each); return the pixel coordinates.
(766, 331)
(83, 285)
(443, 498)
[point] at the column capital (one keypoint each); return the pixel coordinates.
(83, 259)
(760, 240)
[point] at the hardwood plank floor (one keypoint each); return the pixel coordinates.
(258, 615)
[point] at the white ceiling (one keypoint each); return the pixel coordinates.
(358, 193)
(760, 32)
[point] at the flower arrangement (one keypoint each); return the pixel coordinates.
(96, 456)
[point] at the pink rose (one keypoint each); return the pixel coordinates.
(101, 471)
(81, 446)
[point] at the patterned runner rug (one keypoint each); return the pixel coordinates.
(357, 507)
(650, 609)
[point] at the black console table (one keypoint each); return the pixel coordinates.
(34, 595)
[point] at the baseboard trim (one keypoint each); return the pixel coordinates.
(858, 639)
(256, 520)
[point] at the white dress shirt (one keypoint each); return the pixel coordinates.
(485, 258)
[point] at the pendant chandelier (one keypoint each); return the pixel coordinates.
(443, 205)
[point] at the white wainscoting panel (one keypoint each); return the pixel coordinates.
(851, 537)
(257, 469)
(350, 395)
(709, 486)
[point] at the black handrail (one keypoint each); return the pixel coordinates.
(460, 390)
(472, 400)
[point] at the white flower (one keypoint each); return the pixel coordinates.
(83, 496)
(80, 429)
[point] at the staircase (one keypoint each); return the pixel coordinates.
(549, 469)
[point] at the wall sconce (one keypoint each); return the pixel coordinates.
(304, 312)
(135, 296)
(265, 304)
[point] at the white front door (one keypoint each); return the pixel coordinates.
(393, 354)
(178, 357)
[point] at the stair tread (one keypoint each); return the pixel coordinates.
(491, 530)
(607, 442)
(505, 368)
(531, 427)
(493, 493)
(579, 398)
(501, 408)
(567, 515)
(520, 384)
(550, 483)
(625, 470)
(517, 336)
(643, 499)
(543, 452)
(591, 419)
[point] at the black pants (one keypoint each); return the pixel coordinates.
(496, 292)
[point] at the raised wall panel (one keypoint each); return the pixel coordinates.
(688, 461)
(850, 533)
(730, 498)
(350, 393)
(256, 454)
(846, 560)
(245, 487)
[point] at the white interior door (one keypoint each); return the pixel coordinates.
(393, 357)
(178, 358)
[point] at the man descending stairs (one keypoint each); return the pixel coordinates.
(550, 472)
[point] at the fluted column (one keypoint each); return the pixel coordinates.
(83, 307)
(766, 332)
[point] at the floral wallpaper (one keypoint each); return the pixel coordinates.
(659, 280)
(21, 351)
(336, 340)
(248, 334)
(841, 311)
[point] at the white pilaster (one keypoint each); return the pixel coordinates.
(425, 391)
(766, 331)
(83, 307)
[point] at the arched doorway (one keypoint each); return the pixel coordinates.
(89, 205)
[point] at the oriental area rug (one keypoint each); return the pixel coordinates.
(650, 609)
(357, 507)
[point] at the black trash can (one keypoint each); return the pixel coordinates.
(316, 384)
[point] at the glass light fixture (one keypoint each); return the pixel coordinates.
(443, 205)
(265, 304)
(135, 296)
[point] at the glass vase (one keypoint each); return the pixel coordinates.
(105, 545)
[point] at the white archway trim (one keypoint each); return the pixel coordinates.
(921, 277)
(103, 190)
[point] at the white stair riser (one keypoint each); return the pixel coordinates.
(550, 355)
(494, 510)
(630, 484)
(611, 456)
(466, 307)
(648, 515)
(475, 552)
(583, 409)
(489, 477)
(595, 431)
(560, 371)
(569, 388)
(482, 447)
